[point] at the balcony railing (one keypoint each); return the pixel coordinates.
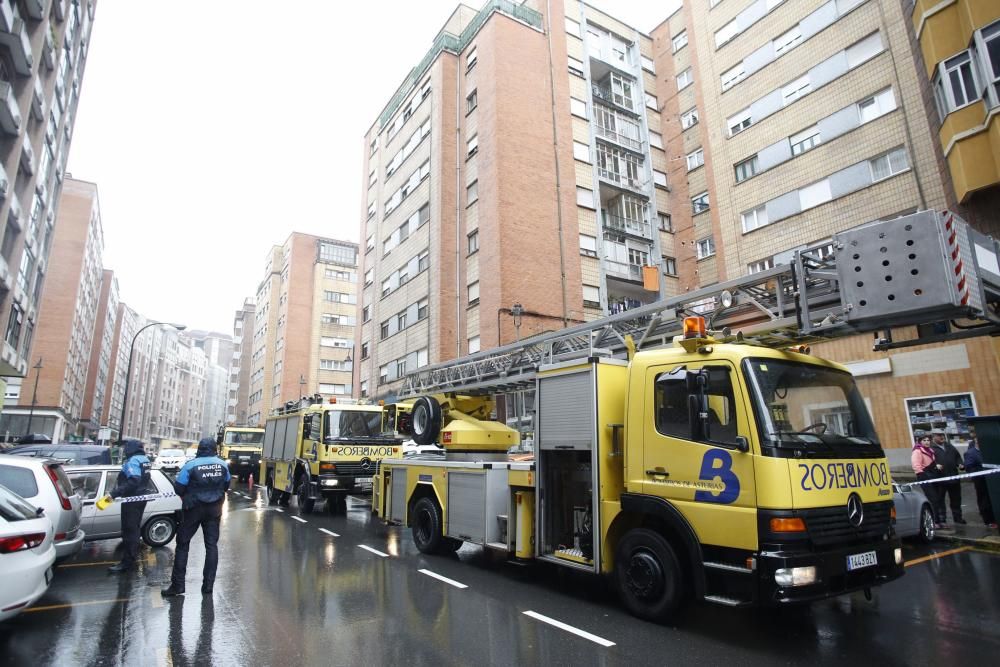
(620, 304)
(618, 99)
(17, 43)
(10, 114)
(618, 138)
(620, 179)
(626, 225)
(624, 270)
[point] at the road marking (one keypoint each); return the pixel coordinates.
(150, 558)
(163, 657)
(456, 584)
(329, 532)
(940, 554)
(570, 628)
(278, 509)
(98, 562)
(157, 600)
(300, 519)
(374, 551)
(75, 604)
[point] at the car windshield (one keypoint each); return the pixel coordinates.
(13, 507)
(172, 452)
(354, 424)
(243, 438)
(814, 410)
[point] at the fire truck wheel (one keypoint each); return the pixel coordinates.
(273, 495)
(648, 575)
(426, 525)
(306, 503)
(426, 416)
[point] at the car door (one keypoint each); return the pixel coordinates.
(107, 522)
(87, 484)
(709, 480)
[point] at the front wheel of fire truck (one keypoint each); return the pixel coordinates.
(648, 575)
(425, 521)
(305, 503)
(273, 495)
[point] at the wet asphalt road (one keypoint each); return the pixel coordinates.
(289, 593)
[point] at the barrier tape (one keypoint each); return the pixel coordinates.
(990, 470)
(139, 499)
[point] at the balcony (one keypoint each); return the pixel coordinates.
(35, 8)
(4, 183)
(16, 41)
(38, 100)
(622, 225)
(618, 138)
(27, 156)
(49, 49)
(618, 99)
(59, 6)
(623, 180)
(623, 270)
(10, 115)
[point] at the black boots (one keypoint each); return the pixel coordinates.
(173, 591)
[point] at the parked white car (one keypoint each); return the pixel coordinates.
(43, 483)
(914, 516)
(159, 520)
(171, 460)
(27, 553)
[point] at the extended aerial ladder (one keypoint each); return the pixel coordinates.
(925, 267)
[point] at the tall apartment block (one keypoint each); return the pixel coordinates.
(218, 348)
(126, 324)
(790, 121)
(304, 324)
(239, 370)
(43, 50)
(67, 318)
(516, 183)
(96, 395)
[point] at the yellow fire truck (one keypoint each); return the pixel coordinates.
(323, 450)
(240, 446)
(685, 458)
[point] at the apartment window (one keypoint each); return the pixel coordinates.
(733, 76)
(890, 164)
(401, 321)
(472, 192)
(787, 41)
(795, 90)
(383, 374)
(699, 203)
(471, 101)
(472, 146)
(364, 350)
(680, 40)
(655, 139)
(695, 159)
(474, 242)
(400, 367)
(726, 33)
(474, 344)
(591, 296)
(338, 389)
(422, 309)
(877, 105)
(577, 107)
(369, 277)
(659, 178)
(470, 59)
(746, 169)
(689, 118)
(588, 245)
(760, 265)
(572, 27)
(581, 152)
(685, 79)
(651, 102)
(14, 325)
(705, 247)
(647, 64)
(370, 243)
(372, 147)
(575, 66)
(988, 47)
(585, 197)
(861, 51)
(473, 293)
(754, 219)
(366, 314)
(384, 330)
(669, 265)
(739, 122)
(339, 297)
(955, 85)
(664, 222)
(372, 177)
(815, 194)
(805, 140)
(638, 257)
(329, 341)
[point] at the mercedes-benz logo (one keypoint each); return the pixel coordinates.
(366, 463)
(855, 510)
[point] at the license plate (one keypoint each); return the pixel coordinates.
(48, 576)
(244, 459)
(363, 480)
(858, 561)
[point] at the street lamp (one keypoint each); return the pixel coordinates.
(34, 396)
(128, 373)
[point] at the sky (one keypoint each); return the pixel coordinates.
(214, 128)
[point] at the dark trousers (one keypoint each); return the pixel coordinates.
(933, 493)
(207, 518)
(983, 501)
(131, 530)
(954, 492)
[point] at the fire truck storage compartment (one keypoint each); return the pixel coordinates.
(397, 497)
(475, 500)
(566, 450)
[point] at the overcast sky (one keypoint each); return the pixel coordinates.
(214, 128)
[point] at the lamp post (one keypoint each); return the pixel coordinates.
(128, 373)
(34, 396)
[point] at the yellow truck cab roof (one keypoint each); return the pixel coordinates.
(734, 353)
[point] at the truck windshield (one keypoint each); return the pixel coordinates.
(351, 424)
(809, 410)
(243, 438)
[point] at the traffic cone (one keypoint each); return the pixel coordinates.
(250, 482)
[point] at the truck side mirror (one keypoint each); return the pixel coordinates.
(698, 417)
(306, 423)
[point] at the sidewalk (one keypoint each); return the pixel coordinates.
(974, 533)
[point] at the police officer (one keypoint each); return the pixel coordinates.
(202, 483)
(133, 480)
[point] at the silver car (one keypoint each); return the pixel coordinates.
(159, 521)
(914, 516)
(43, 483)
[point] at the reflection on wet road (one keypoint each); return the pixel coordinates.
(347, 590)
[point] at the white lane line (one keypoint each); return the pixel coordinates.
(329, 532)
(374, 551)
(278, 509)
(300, 519)
(456, 584)
(569, 628)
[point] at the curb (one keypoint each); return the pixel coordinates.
(988, 543)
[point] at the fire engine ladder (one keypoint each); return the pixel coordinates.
(921, 268)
